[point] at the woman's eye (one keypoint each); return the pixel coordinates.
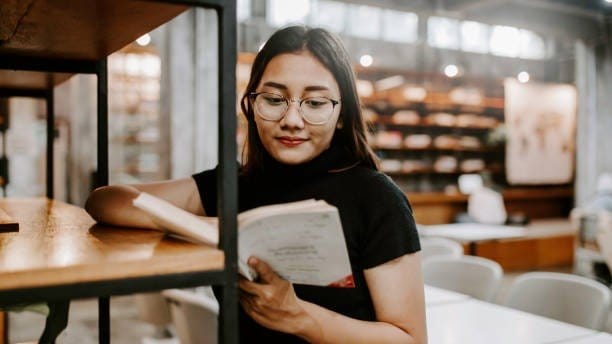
(316, 102)
(274, 100)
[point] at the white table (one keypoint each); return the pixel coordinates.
(599, 338)
(436, 296)
(473, 321)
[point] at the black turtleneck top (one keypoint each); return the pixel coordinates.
(375, 214)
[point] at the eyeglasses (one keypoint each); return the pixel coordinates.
(273, 107)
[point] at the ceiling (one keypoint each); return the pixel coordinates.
(575, 19)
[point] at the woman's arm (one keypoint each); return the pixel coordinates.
(396, 288)
(113, 204)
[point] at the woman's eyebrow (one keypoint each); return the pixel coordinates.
(307, 88)
(275, 85)
(316, 88)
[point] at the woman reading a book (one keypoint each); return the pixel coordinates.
(306, 139)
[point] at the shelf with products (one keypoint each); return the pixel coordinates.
(427, 129)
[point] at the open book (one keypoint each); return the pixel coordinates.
(303, 242)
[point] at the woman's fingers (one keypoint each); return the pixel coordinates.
(249, 287)
(266, 274)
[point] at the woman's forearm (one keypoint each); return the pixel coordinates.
(321, 325)
(113, 205)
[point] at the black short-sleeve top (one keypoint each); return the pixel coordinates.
(375, 214)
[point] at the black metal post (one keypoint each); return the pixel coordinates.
(104, 320)
(50, 141)
(102, 179)
(227, 179)
(102, 73)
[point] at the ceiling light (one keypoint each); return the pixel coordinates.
(366, 60)
(451, 71)
(523, 77)
(144, 40)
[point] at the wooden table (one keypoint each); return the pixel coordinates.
(473, 321)
(61, 254)
(541, 244)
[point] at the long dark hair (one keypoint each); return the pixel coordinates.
(330, 51)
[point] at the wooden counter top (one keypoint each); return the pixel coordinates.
(508, 194)
(58, 243)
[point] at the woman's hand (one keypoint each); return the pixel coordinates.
(272, 302)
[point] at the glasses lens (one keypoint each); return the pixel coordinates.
(270, 106)
(317, 110)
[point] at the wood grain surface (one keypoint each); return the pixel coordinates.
(60, 244)
(85, 29)
(7, 223)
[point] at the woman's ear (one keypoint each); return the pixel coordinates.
(339, 123)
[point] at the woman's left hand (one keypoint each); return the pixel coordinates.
(272, 302)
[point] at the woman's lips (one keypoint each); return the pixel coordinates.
(291, 141)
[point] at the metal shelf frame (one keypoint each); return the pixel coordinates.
(227, 201)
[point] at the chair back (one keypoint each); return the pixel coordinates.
(474, 276)
(570, 298)
(194, 315)
(435, 247)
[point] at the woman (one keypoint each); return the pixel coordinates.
(306, 139)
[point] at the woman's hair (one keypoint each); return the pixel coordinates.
(329, 50)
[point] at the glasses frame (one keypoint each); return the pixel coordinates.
(254, 95)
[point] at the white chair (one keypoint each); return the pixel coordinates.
(194, 315)
(435, 247)
(574, 299)
(474, 276)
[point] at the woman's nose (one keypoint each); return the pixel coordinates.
(293, 118)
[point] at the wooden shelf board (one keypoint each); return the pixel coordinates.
(87, 30)
(31, 80)
(60, 244)
(72, 30)
(436, 149)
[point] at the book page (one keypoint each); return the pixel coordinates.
(304, 247)
(177, 220)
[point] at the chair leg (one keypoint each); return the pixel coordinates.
(57, 320)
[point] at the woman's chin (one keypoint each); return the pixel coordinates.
(292, 157)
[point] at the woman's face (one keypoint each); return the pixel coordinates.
(291, 140)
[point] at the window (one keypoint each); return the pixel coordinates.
(243, 10)
(364, 21)
(282, 12)
(443, 32)
(400, 26)
(330, 15)
(532, 45)
(474, 37)
(505, 41)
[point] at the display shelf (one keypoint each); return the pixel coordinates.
(450, 173)
(387, 122)
(422, 116)
(72, 248)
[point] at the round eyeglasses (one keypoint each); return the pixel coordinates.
(273, 107)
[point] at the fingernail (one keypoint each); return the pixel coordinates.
(252, 260)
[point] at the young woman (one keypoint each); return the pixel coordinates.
(306, 139)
